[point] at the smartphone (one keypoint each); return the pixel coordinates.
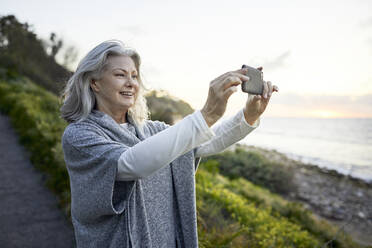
(255, 84)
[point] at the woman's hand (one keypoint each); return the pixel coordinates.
(256, 104)
(220, 89)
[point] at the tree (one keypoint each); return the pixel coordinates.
(55, 45)
(21, 52)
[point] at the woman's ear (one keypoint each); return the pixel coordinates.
(93, 85)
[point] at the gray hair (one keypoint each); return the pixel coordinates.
(79, 99)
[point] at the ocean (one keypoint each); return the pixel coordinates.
(344, 145)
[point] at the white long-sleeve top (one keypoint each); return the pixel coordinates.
(189, 133)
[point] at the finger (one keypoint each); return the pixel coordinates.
(270, 86)
(257, 98)
(253, 98)
(258, 68)
(229, 91)
(275, 88)
(243, 77)
(233, 78)
(265, 90)
(241, 72)
(250, 97)
(230, 81)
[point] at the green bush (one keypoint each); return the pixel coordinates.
(263, 199)
(293, 211)
(258, 226)
(255, 168)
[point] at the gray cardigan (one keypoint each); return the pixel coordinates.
(109, 213)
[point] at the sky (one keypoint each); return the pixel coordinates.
(319, 53)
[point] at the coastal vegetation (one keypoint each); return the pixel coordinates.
(231, 212)
(238, 199)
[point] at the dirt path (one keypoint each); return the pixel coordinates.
(29, 216)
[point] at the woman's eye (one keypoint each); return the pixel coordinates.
(122, 75)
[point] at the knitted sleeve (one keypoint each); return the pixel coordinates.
(91, 161)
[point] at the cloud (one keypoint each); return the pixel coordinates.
(366, 23)
(272, 64)
(321, 99)
(278, 62)
(365, 99)
(343, 105)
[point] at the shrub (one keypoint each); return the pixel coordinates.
(255, 168)
(258, 226)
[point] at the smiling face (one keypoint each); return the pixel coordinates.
(117, 88)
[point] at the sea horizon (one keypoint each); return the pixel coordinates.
(341, 144)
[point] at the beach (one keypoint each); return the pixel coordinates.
(341, 199)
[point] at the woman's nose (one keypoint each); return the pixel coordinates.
(130, 82)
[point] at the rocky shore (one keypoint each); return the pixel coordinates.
(340, 199)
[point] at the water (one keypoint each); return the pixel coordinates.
(341, 144)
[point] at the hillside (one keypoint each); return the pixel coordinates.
(23, 53)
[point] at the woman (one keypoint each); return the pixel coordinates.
(132, 179)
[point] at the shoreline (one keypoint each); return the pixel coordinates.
(274, 155)
(330, 169)
(325, 165)
(342, 200)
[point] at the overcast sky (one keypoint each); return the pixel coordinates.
(319, 53)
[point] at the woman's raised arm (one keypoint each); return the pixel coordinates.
(228, 132)
(159, 150)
